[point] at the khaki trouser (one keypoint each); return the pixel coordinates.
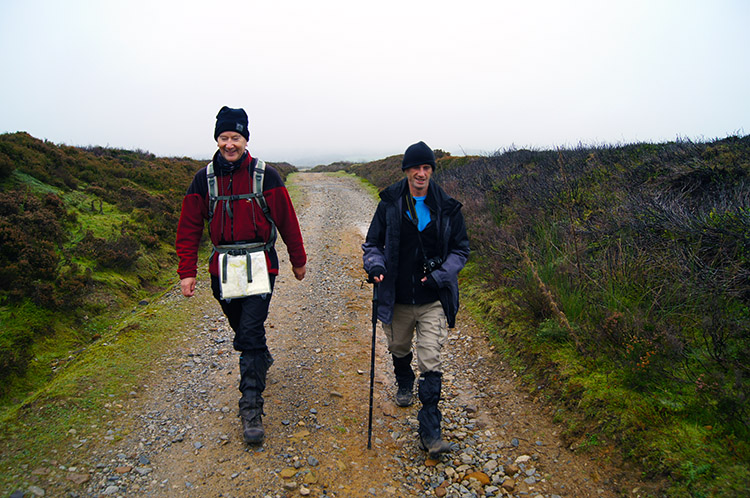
(432, 329)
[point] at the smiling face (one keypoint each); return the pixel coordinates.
(418, 178)
(231, 145)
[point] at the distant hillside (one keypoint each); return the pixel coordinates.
(383, 172)
(333, 167)
(83, 232)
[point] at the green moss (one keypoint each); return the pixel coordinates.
(97, 381)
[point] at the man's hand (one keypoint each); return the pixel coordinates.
(430, 282)
(376, 274)
(299, 272)
(188, 286)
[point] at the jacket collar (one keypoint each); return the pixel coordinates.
(436, 196)
(223, 167)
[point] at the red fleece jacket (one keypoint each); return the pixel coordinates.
(247, 223)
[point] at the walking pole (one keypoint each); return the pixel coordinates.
(372, 358)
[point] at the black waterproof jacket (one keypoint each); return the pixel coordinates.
(381, 247)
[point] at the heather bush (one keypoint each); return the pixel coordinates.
(6, 165)
(380, 173)
(653, 240)
(333, 167)
(121, 252)
(71, 286)
(15, 354)
(30, 233)
(284, 169)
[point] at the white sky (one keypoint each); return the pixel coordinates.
(325, 80)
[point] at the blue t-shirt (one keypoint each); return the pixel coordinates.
(423, 212)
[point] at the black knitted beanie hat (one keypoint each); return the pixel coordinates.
(230, 119)
(418, 154)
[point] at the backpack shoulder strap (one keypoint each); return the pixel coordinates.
(212, 192)
(258, 177)
(260, 173)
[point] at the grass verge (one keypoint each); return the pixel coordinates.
(86, 396)
(596, 410)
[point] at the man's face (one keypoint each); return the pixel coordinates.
(419, 179)
(231, 145)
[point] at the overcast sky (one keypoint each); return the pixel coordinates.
(329, 80)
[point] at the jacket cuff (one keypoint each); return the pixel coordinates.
(188, 274)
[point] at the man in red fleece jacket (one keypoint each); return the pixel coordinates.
(234, 221)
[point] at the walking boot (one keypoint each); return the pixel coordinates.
(252, 426)
(435, 448)
(429, 417)
(404, 379)
(253, 368)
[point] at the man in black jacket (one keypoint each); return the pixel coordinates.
(414, 250)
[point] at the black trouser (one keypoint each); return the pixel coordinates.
(430, 384)
(404, 373)
(247, 317)
(253, 369)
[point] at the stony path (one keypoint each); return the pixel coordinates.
(186, 437)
